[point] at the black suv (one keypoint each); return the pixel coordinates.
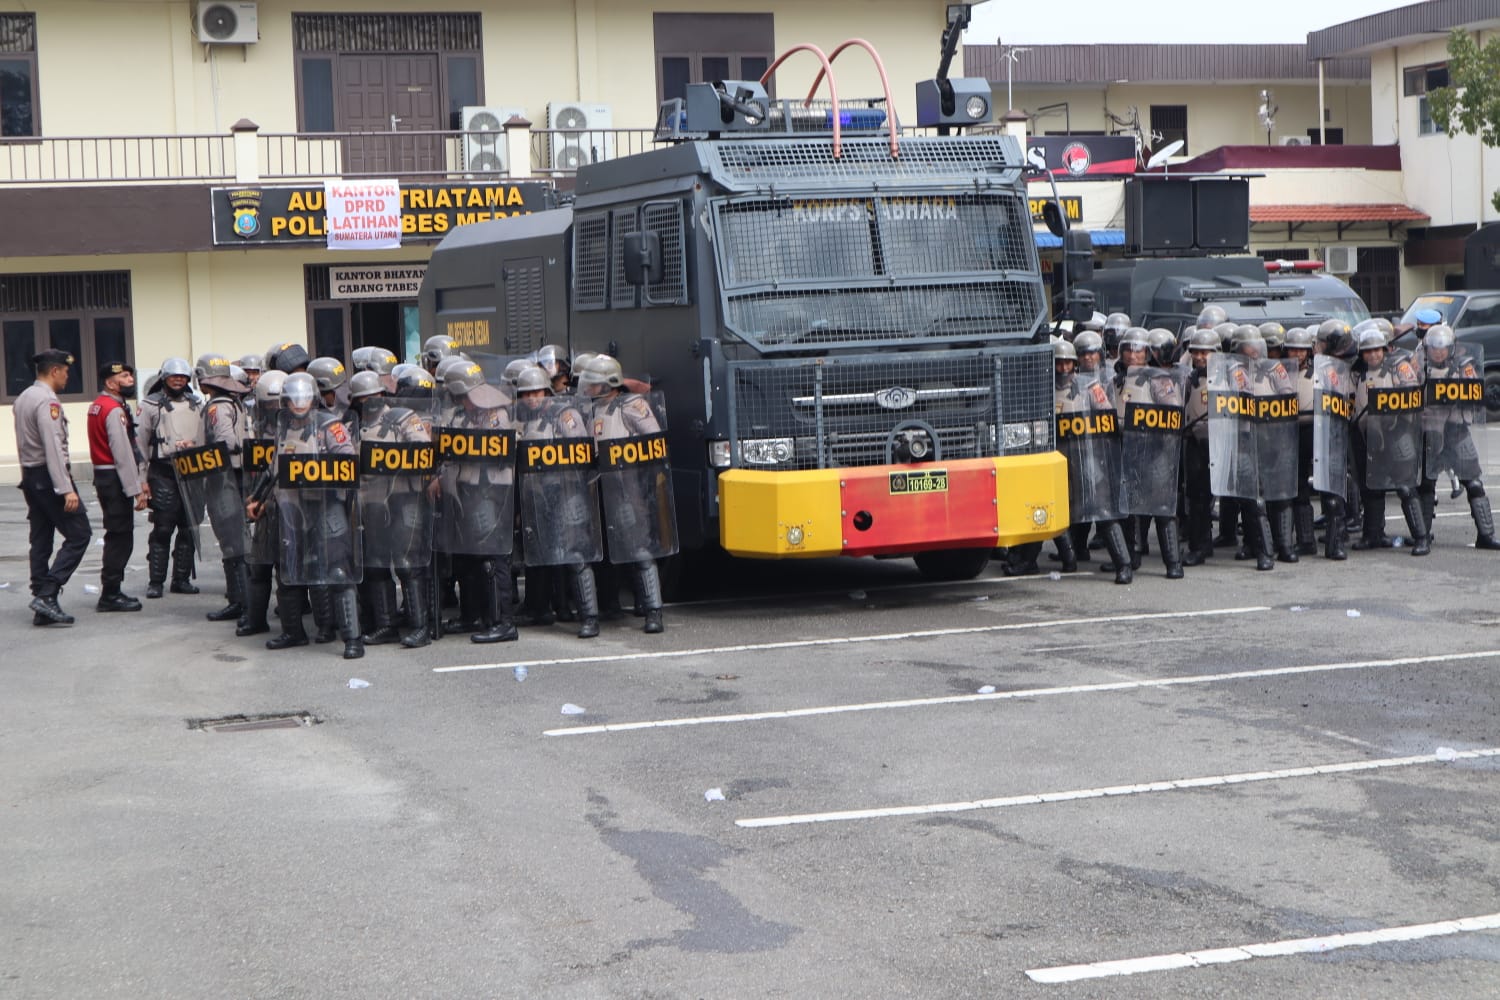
(1475, 318)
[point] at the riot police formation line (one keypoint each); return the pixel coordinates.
(1157, 427)
(364, 499)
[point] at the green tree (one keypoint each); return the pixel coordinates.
(1471, 102)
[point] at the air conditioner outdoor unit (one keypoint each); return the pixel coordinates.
(588, 138)
(226, 22)
(1296, 140)
(1341, 259)
(484, 138)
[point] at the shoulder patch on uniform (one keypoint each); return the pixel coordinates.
(55, 409)
(1405, 369)
(339, 433)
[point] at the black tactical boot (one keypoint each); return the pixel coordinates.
(418, 601)
(1079, 533)
(1142, 539)
(1411, 506)
(536, 609)
(498, 625)
(1333, 540)
(1281, 533)
(257, 601)
(588, 603)
(1372, 535)
(1484, 520)
(382, 596)
(182, 566)
(469, 601)
(158, 559)
(648, 594)
(46, 611)
(321, 600)
(1114, 540)
(1302, 515)
(346, 612)
(1258, 525)
(1171, 549)
(607, 582)
(235, 572)
(1020, 560)
(1065, 553)
(290, 604)
(116, 601)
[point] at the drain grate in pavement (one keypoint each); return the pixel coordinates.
(253, 723)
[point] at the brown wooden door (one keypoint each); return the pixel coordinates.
(385, 94)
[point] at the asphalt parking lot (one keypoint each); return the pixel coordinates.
(826, 780)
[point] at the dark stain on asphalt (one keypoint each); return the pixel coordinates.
(713, 695)
(674, 865)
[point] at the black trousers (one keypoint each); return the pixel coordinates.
(119, 528)
(44, 509)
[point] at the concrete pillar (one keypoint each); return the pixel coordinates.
(518, 148)
(246, 151)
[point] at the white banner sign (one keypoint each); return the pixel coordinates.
(393, 281)
(363, 215)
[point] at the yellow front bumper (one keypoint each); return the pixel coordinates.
(875, 510)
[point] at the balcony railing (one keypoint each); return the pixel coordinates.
(303, 156)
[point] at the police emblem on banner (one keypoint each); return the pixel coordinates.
(246, 206)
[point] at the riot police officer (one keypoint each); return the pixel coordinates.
(1388, 440)
(171, 421)
(1088, 436)
(396, 466)
(1149, 400)
(553, 360)
(221, 489)
(318, 516)
(636, 483)
(476, 512)
(1453, 379)
(435, 349)
(1198, 499)
(260, 470)
(333, 392)
(558, 503)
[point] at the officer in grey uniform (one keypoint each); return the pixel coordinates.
(260, 472)
(558, 510)
(1198, 497)
(333, 389)
(1388, 441)
(171, 421)
(1454, 382)
(224, 423)
(637, 506)
(435, 349)
(52, 502)
(1149, 400)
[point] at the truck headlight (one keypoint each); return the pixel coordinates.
(767, 451)
(1041, 433)
(1017, 436)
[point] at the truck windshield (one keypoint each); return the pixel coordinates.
(1448, 305)
(854, 269)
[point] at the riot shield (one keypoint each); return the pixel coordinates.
(396, 466)
(317, 502)
(1276, 408)
(1333, 405)
(1231, 428)
(1453, 413)
(206, 481)
(635, 478)
(559, 495)
(1391, 427)
(476, 452)
(1088, 435)
(258, 460)
(1151, 441)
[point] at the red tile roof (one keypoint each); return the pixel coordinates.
(1394, 212)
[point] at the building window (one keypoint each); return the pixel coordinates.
(1335, 136)
(698, 48)
(1170, 122)
(1419, 80)
(356, 71)
(85, 313)
(19, 110)
(1425, 124)
(1377, 278)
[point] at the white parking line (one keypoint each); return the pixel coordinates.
(959, 699)
(1297, 946)
(1170, 785)
(759, 647)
